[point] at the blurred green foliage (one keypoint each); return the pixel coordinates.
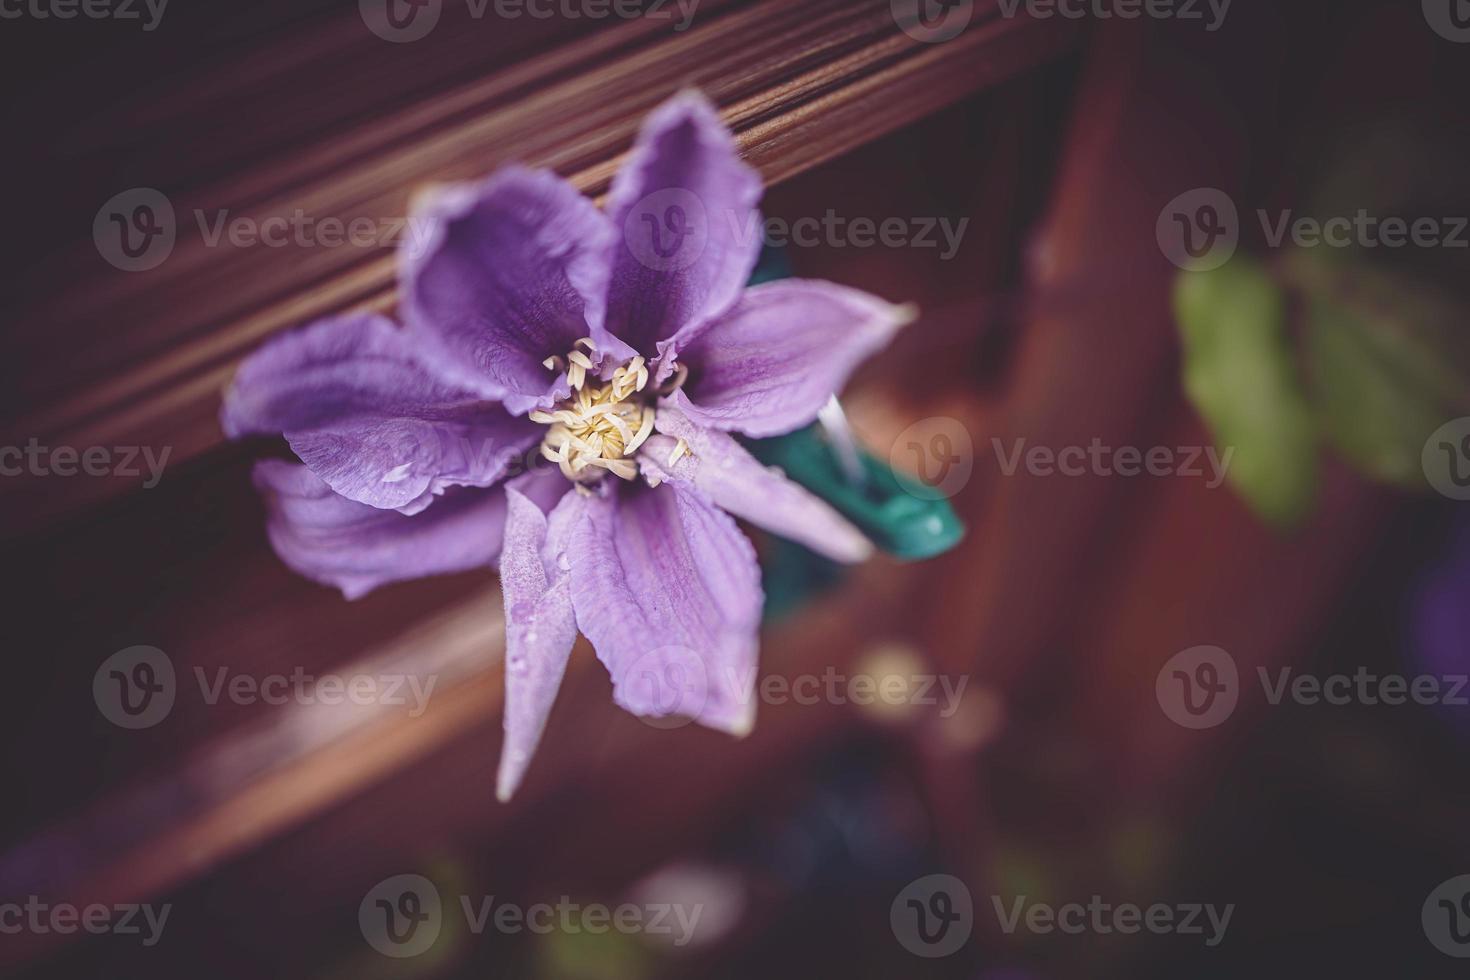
(1240, 374)
(1380, 350)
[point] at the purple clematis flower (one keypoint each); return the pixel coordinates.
(616, 353)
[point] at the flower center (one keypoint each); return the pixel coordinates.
(598, 429)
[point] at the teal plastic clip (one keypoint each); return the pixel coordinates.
(899, 515)
(891, 508)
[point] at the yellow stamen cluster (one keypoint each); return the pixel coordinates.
(601, 426)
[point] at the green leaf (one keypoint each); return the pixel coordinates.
(1240, 374)
(1386, 366)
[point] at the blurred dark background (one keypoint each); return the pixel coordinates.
(1059, 773)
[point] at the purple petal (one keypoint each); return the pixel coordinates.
(667, 589)
(737, 482)
(543, 484)
(769, 365)
(683, 207)
(356, 548)
(369, 418)
(540, 626)
(504, 274)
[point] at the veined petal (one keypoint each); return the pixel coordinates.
(503, 274)
(540, 626)
(769, 364)
(368, 417)
(668, 591)
(684, 209)
(356, 548)
(738, 483)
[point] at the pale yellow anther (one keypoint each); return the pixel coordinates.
(624, 430)
(599, 427)
(645, 428)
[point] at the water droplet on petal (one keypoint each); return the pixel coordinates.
(564, 562)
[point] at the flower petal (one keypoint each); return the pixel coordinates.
(768, 365)
(356, 548)
(668, 591)
(683, 208)
(737, 482)
(540, 626)
(368, 417)
(504, 274)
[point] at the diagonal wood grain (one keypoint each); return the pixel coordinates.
(800, 81)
